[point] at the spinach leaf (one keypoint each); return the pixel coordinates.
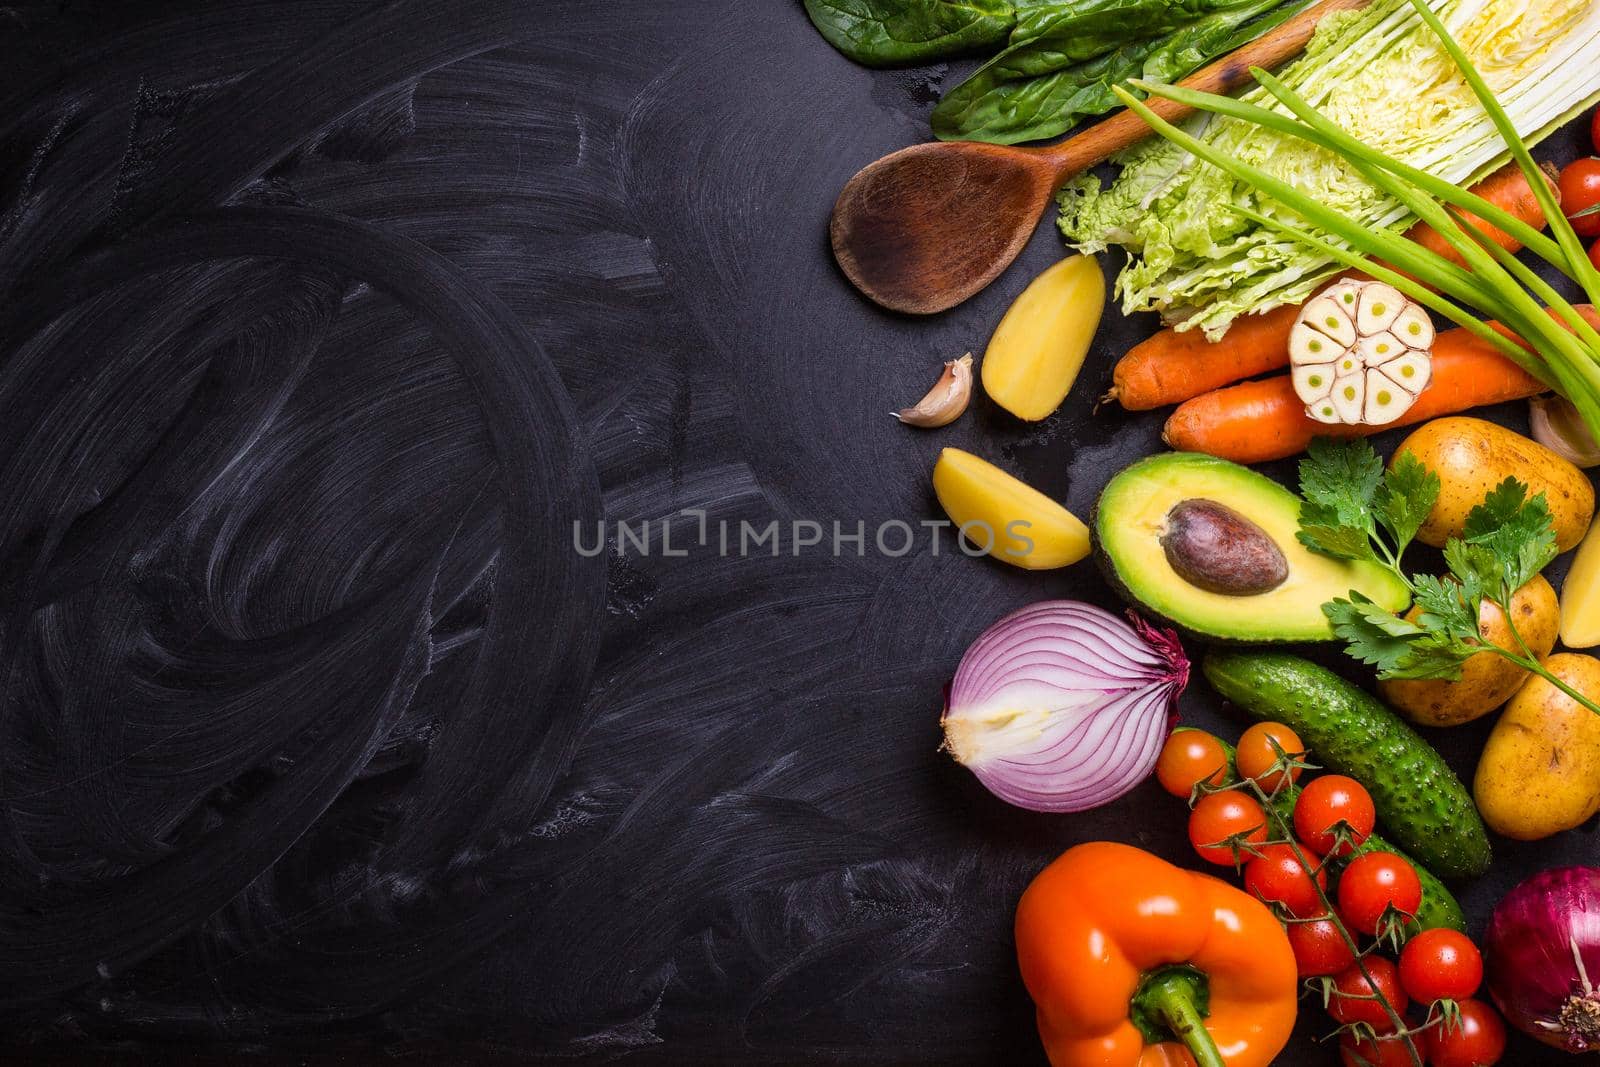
(879, 33)
(1064, 59)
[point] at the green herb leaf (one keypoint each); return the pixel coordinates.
(1375, 635)
(1322, 530)
(1446, 608)
(1505, 541)
(1407, 494)
(1339, 480)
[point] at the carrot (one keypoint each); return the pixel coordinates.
(1263, 420)
(1506, 188)
(1172, 367)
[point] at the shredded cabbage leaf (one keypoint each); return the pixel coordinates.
(1381, 75)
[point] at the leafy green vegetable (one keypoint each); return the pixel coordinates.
(1356, 510)
(1387, 80)
(1043, 84)
(879, 33)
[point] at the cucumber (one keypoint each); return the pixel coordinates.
(1418, 797)
(1439, 906)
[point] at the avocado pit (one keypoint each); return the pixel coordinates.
(1213, 547)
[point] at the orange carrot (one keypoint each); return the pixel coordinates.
(1263, 420)
(1257, 421)
(1508, 189)
(1172, 367)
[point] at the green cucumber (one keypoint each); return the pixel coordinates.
(1418, 797)
(1439, 906)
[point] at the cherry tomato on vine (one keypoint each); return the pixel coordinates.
(1440, 964)
(1319, 950)
(1350, 985)
(1277, 876)
(1384, 1052)
(1594, 129)
(1188, 757)
(1371, 884)
(1580, 190)
(1479, 1041)
(1594, 255)
(1255, 755)
(1220, 816)
(1326, 802)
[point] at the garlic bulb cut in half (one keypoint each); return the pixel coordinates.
(1360, 353)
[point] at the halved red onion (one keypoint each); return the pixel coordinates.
(1063, 706)
(1542, 951)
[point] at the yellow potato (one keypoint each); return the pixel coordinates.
(1580, 596)
(1487, 680)
(1012, 520)
(1472, 456)
(1540, 770)
(1038, 348)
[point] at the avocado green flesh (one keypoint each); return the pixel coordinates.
(1131, 518)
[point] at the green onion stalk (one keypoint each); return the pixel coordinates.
(1562, 349)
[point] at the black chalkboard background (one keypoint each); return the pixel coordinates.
(321, 325)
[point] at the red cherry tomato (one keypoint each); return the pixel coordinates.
(1594, 255)
(1188, 757)
(1594, 130)
(1255, 755)
(1277, 876)
(1371, 884)
(1479, 1040)
(1384, 1052)
(1440, 964)
(1580, 190)
(1318, 949)
(1328, 801)
(1217, 817)
(1350, 985)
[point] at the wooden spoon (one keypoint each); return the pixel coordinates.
(924, 228)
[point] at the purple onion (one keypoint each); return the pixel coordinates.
(1063, 706)
(1543, 955)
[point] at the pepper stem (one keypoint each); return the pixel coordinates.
(1172, 1003)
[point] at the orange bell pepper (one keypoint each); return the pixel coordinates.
(1132, 962)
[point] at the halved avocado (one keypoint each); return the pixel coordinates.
(1135, 515)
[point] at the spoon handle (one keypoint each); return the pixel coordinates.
(1272, 49)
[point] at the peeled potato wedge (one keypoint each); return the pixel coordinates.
(1580, 595)
(1038, 348)
(1013, 521)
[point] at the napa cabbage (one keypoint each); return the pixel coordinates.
(1385, 78)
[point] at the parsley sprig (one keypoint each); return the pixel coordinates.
(1355, 509)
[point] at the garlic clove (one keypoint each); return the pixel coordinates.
(1379, 348)
(1308, 346)
(1385, 400)
(1378, 307)
(1556, 424)
(1349, 391)
(1312, 383)
(1324, 411)
(1414, 328)
(1410, 372)
(1326, 316)
(945, 402)
(1348, 364)
(1346, 295)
